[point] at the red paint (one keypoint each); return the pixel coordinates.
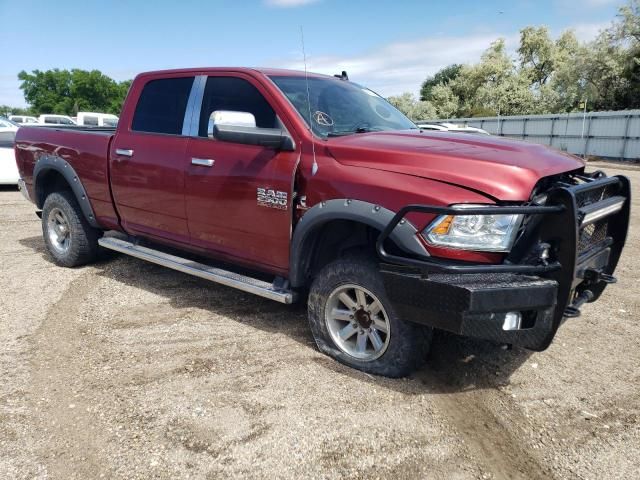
(158, 193)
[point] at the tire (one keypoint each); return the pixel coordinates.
(394, 353)
(69, 238)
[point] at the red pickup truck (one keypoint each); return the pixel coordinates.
(303, 186)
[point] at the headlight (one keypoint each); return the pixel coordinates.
(488, 233)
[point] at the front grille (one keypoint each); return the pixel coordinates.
(592, 235)
(596, 233)
(587, 197)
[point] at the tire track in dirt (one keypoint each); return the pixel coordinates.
(70, 441)
(493, 441)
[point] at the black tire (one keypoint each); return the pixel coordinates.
(82, 246)
(408, 343)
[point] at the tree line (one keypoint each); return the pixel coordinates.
(547, 76)
(68, 92)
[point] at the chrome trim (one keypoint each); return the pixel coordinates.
(191, 119)
(217, 275)
(203, 162)
(23, 189)
(124, 152)
(602, 209)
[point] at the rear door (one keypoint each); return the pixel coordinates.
(239, 197)
(147, 161)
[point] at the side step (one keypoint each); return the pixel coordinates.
(224, 277)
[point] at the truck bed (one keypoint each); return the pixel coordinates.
(86, 149)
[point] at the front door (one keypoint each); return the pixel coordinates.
(239, 197)
(148, 162)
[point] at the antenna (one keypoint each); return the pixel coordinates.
(314, 168)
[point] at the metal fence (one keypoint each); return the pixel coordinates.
(614, 135)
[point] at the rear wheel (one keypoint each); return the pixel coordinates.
(353, 321)
(69, 238)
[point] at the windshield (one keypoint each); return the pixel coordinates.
(340, 107)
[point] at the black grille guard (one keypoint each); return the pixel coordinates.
(559, 224)
(434, 265)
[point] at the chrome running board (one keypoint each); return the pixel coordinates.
(217, 275)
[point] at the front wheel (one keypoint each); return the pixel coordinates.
(353, 321)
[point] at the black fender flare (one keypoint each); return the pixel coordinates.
(47, 163)
(376, 216)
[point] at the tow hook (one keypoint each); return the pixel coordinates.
(594, 276)
(573, 310)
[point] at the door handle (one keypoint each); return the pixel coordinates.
(203, 162)
(124, 152)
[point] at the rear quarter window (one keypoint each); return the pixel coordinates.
(162, 105)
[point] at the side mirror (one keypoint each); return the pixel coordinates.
(240, 127)
(230, 118)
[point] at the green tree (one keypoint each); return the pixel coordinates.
(70, 91)
(537, 54)
(403, 102)
(442, 77)
(115, 105)
(412, 108)
(446, 102)
(493, 85)
(622, 41)
(6, 110)
(548, 76)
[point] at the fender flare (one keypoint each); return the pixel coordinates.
(376, 216)
(46, 163)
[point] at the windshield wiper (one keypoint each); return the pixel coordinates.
(351, 132)
(340, 134)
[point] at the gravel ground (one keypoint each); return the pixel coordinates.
(127, 370)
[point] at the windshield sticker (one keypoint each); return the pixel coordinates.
(323, 119)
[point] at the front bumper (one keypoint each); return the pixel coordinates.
(579, 229)
(476, 305)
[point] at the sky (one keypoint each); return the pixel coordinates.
(389, 46)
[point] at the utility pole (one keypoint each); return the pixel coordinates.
(583, 105)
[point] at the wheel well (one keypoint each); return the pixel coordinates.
(334, 239)
(48, 182)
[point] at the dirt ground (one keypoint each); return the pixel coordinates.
(124, 369)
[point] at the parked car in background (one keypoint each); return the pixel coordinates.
(93, 119)
(8, 131)
(432, 126)
(50, 119)
(452, 127)
(8, 169)
(23, 119)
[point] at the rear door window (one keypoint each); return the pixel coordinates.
(162, 105)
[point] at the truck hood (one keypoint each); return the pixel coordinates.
(504, 169)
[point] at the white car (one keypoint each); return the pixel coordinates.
(93, 119)
(51, 119)
(452, 127)
(23, 119)
(432, 126)
(8, 169)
